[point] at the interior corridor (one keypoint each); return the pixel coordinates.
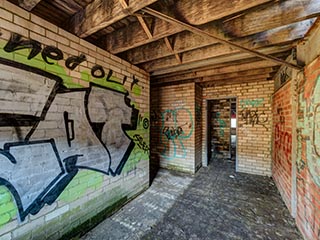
(216, 199)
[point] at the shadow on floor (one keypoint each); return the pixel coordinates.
(216, 204)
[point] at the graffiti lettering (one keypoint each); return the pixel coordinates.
(16, 43)
(174, 130)
(141, 143)
(253, 117)
(58, 159)
(50, 52)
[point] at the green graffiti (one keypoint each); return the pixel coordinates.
(8, 208)
(309, 125)
(82, 182)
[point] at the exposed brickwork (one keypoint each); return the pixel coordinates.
(254, 123)
(282, 141)
(75, 134)
(198, 127)
(308, 152)
(173, 126)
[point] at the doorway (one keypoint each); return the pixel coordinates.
(222, 129)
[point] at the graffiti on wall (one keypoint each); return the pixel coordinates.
(309, 129)
(176, 126)
(221, 124)
(60, 127)
(282, 138)
(254, 117)
(251, 102)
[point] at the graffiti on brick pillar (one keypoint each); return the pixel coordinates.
(254, 117)
(176, 127)
(60, 128)
(309, 128)
(282, 138)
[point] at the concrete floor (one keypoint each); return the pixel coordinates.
(216, 204)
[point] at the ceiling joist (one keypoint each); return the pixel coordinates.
(100, 14)
(197, 47)
(209, 35)
(28, 4)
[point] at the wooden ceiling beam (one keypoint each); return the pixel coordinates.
(186, 41)
(288, 11)
(215, 77)
(219, 60)
(130, 37)
(28, 4)
(100, 14)
(221, 40)
(252, 66)
(144, 26)
(169, 46)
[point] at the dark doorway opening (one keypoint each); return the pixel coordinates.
(222, 129)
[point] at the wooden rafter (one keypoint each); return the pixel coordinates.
(216, 77)
(223, 60)
(209, 35)
(144, 26)
(116, 42)
(217, 71)
(100, 14)
(197, 47)
(169, 46)
(28, 4)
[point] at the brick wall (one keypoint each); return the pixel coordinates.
(219, 112)
(173, 126)
(198, 127)
(254, 123)
(308, 152)
(74, 129)
(282, 141)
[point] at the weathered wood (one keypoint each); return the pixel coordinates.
(218, 60)
(252, 66)
(100, 14)
(167, 42)
(216, 77)
(157, 50)
(198, 12)
(128, 38)
(271, 17)
(28, 4)
(223, 41)
(144, 26)
(68, 6)
(231, 81)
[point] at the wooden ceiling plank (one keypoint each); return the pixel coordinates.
(218, 60)
(274, 16)
(28, 4)
(116, 42)
(246, 73)
(206, 34)
(192, 44)
(252, 66)
(100, 14)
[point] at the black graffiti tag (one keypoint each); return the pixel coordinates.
(254, 117)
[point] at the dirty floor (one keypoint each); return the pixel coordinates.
(216, 204)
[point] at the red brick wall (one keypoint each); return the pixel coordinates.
(308, 152)
(282, 141)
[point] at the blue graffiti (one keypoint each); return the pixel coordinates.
(176, 126)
